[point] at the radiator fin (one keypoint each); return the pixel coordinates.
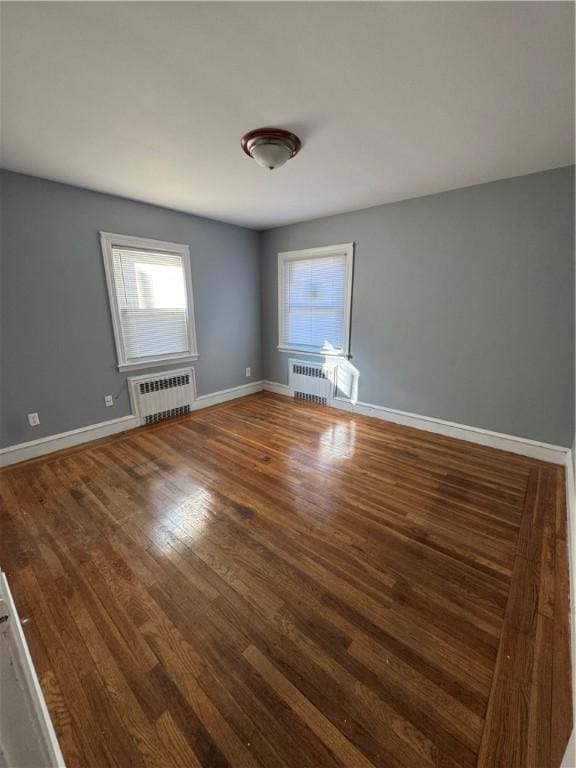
(156, 385)
(309, 398)
(154, 418)
(309, 370)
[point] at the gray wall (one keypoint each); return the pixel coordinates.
(58, 353)
(463, 305)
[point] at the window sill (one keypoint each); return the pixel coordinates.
(122, 367)
(343, 355)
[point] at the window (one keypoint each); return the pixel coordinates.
(150, 290)
(314, 297)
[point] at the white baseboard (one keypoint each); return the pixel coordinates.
(215, 398)
(26, 730)
(545, 452)
(554, 454)
(14, 454)
(278, 389)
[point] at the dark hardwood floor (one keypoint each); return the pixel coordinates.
(269, 583)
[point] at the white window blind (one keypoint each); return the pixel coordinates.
(314, 299)
(151, 301)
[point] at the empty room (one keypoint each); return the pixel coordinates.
(287, 384)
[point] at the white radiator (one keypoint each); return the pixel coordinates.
(310, 381)
(163, 395)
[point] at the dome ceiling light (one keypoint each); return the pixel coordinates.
(270, 147)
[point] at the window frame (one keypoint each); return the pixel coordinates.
(347, 249)
(109, 241)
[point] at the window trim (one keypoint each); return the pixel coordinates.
(326, 250)
(109, 240)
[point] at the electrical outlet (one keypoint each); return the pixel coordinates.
(33, 419)
(108, 401)
(248, 371)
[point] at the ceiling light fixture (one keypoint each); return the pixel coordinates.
(270, 147)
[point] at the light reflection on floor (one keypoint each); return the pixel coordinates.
(338, 442)
(191, 517)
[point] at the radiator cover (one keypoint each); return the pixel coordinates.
(309, 381)
(160, 396)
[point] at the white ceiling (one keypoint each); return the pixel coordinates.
(391, 100)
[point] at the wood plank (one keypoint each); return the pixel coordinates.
(273, 584)
(529, 713)
(316, 721)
